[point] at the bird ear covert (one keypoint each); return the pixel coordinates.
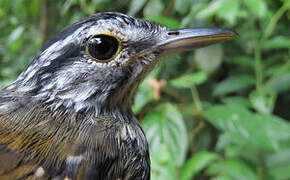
(103, 48)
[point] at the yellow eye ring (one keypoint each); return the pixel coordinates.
(103, 48)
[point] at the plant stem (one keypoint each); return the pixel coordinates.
(261, 167)
(44, 20)
(199, 111)
(258, 66)
(174, 95)
(169, 8)
(196, 100)
(269, 30)
(275, 18)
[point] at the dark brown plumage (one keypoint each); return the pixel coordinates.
(68, 116)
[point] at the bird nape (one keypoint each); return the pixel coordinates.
(68, 115)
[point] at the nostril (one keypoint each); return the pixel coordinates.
(173, 33)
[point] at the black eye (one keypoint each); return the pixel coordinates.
(103, 47)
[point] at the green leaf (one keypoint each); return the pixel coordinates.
(163, 164)
(233, 151)
(209, 10)
(234, 83)
(236, 101)
(196, 163)
(278, 164)
(224, 140)
(280, 172)
(34, 8)
(182, 6)
(153, 8)
(66, 6)
(165, 125)
(278, 159)
(15, 34)
(263, 101)
(279, 84)
(194, 9)
(229, 10)
(277, 69)
(189, 80)
(247, 129)
(166, 21)
(136, 6)
(221, 177)
(257, 7)
(244, 61)
(144, 94)
(209, 58)
(278, 42)
(4, 83)
(233, 169)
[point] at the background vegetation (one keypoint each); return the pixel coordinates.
(219, 113)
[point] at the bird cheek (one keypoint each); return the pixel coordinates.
(129, 61)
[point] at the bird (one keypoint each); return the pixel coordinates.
(68, 115)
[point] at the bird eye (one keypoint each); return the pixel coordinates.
(103, 48)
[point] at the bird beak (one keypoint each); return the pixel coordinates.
(189, 38)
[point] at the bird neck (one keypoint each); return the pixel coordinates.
(81, 98)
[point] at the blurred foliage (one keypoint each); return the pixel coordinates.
(224, 112)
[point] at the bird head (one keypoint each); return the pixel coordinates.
(97, 63)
